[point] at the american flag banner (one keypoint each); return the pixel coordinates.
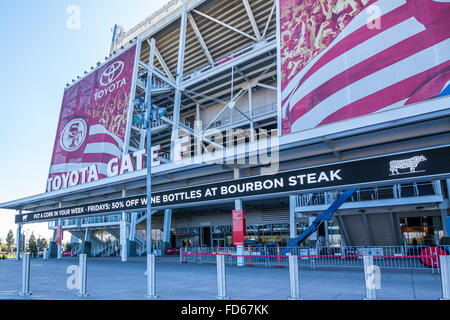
(342, 59)
(93, 122)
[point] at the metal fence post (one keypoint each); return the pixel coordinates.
(151, 280)
(368, 278)
(293, 277)
(83, 275)
(445, 276)
(240, 255)
(181, 255)
(25, 275)
(221, 278)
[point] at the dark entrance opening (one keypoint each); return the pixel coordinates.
(205, 233)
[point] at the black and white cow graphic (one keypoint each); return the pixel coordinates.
(410, 164)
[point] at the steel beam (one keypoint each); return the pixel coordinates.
(269, 19)
(224, 25)
(200, 39)
(179, 79)
(162, 62)
(252, 20)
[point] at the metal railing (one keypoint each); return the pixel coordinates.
(237, 116)
(227, 58)
(106, 249)
(392, 257)
(75, 250)
(415, 189)
(114, 218)
(151, 20)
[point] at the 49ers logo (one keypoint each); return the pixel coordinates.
(73, 135)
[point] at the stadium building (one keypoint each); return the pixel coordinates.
(311, 85)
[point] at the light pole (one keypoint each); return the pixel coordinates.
(149, 113)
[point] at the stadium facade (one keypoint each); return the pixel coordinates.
(305, 83)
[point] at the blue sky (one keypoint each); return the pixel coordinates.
(38, 56)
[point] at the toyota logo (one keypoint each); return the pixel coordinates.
(111, 73)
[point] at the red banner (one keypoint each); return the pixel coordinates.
(342, 59)
(92, 123)
(239, 227)
(59, 235)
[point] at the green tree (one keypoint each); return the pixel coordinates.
(67, 246)
(43, 244)
(32, 245)
(10, 240)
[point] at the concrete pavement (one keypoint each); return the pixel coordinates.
(109, 278)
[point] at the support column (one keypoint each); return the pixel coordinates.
(444, 219)
(292, 222)
(59, 229)
(198, 134)
(131, 233)
(123, 233)
(325, 224)
(313, 236)
(167, 225)
(86, 243)
(18, 241)
(238, 206)
(179, 79)
(250, 110)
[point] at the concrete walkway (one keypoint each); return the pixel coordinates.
(109, 278)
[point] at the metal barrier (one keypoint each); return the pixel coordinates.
(151, 277)
(392, 257)
(368, 278)
(25, 291)
(221, 278)
(293, 278)
(83, 275)
(445, 277)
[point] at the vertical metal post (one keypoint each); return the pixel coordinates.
(83, 275)
(239, 248)
(293, 277)
(181, 255)
(167, 225)
(292, 222)
(238, 206)
(25, 275)
(123, 233)
(19, 242)
(179, 80)
(250, 111)
(368, 278)
(221, 278)
(59, 253)
(151, 277)
(445, 276)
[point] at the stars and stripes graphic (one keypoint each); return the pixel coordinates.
(100, 147)
(366, 70)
